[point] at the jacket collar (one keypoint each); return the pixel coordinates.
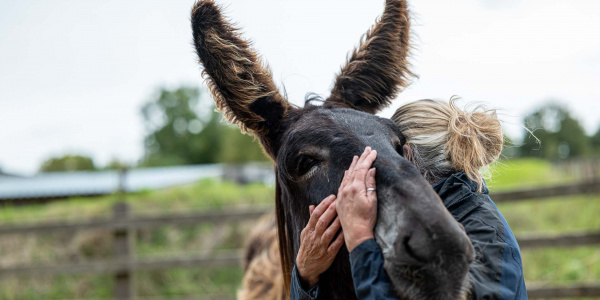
(454, 190)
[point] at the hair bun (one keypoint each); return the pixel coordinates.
(475, 139)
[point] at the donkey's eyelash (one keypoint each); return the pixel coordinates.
(310, 172)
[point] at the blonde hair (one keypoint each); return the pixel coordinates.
(445, 139)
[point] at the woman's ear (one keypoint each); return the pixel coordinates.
(407, 152)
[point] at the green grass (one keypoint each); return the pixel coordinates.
(562, 266)
(57, 287)
(549, 216)
(525, 173)
(552, 216)
(160, 242)
(180, 283)
(203, 195)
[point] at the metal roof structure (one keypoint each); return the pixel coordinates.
(93, 183)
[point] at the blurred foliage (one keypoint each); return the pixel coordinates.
(559, 135)
(116, 164)
(68, 163)
(183, 128)
(595, 143)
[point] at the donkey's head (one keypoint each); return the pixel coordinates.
(426, 253)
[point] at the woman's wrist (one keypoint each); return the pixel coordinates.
(307, 280)
(358, 238)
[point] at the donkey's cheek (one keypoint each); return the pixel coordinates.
(389, 221)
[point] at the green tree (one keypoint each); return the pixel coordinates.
(558, 134)
(68, 163)
(115, 164)
(238, 148)
(185, 129)
(595, 143)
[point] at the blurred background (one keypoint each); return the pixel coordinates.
(117, 174)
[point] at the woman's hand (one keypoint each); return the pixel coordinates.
(357, 200)
(317, 245)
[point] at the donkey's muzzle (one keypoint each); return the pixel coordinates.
(417, 234)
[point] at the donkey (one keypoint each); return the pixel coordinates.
(427, 254)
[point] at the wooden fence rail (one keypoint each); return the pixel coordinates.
(572, 291)
(124, 264)
(213, 217)
(591, 187)
(233, 258)
(564, 240)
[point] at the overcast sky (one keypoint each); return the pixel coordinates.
(74, 73)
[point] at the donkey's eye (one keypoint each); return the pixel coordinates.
(306, 165)
(399, 149)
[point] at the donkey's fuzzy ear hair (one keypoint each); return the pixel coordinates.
(377, 70)
(242, 87)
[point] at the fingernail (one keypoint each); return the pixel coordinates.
(368, 148)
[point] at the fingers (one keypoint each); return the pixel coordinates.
(364, 163)
(370, 182)
(348, 174)
(362, 157)
(354, 168)
(354, 161)
(325, 219)
(311, 208)
(330, 232)
(337, 244)
(368, 160)
(318, 211)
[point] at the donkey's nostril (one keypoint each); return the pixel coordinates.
(418, 245)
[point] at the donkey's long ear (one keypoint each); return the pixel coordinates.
(242, 87)
(377, 70)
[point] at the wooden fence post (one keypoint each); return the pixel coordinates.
(124, 242)
(123, 249)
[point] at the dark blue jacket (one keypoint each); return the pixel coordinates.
(497, 272)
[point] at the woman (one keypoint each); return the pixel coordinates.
(449, 147)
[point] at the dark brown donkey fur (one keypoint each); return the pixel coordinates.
(426, 253)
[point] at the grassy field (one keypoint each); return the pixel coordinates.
(558, 215)
(552, 216)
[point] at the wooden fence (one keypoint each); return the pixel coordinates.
(123, 226)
